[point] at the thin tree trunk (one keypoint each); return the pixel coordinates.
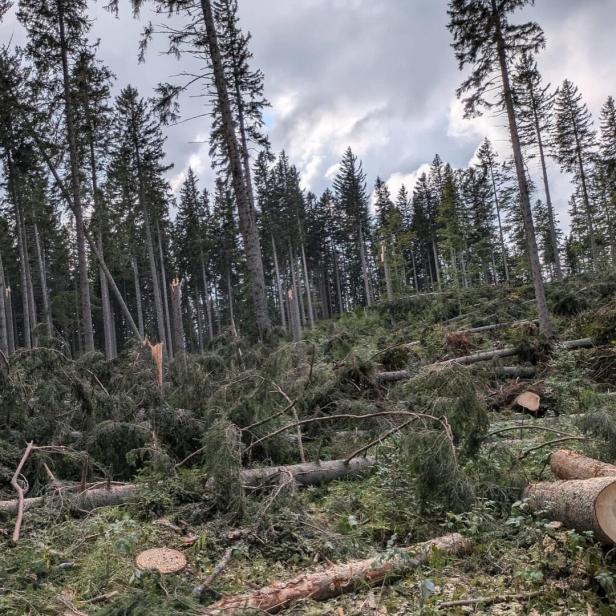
(23, 278)
(135, 268)
(10, 320)
(500, 224)
(546, 185)
(294, 305)
(84, 283)
(246, 214)
(163, 275)
(230, 300)
(31, 300)
(206, 296)
(199, 307)
(364, 267)
(388, 286)
(179, 345)
(533, 253)
(149, 240)
(415, 279)
(338, 286)
(40, 257)
(308, 287)
(4, 340)
(437, 268)
(296, 286)
(279, 289)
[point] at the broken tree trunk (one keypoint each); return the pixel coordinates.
(580, 504)
(338, 579)
(310, 473)
(567, 464)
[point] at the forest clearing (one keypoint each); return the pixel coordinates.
(267, 399)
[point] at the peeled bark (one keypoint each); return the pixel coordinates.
(579, 504)
(567, 464)
(338, 579)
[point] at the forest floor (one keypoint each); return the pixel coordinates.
(227, 409)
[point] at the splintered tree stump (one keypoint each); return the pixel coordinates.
(583, 505)
(337, 579)
(567, 464)
(163, 560)
(529, 401)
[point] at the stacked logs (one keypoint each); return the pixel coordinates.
(584, 498)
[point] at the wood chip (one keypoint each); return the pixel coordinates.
(163, 560)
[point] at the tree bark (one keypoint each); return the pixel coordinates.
(364, 267)
(10, 322)
(4, 338)
(338, 579)
(84, 283)
(206, 297)
(579, 504)
(283, 320)
(178, 324)
(40, 258)
(308, 287)
(246, 214)
(500, 224)
(137, 283)
(529, 227)
(163, 276)
(567, 464)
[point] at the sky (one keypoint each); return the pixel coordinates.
(379, 76)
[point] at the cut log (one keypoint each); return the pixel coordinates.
(163, 560)
(310, 473)
(582, 343)
(529, 400)
(337, 579)
(583, 505)
(567, 464)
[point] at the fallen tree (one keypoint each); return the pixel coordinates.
(579, 504)
(475, 358)
(494, 326)
(338, 579)
(567, 464)
(309, 473)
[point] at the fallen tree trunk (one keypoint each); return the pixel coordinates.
(337, 579)
(579, 504)
(567, 464)
(523, 372)
(487, 328)
(310, 473)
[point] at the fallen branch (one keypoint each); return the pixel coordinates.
(337, 579)
(567, 464)
(221, 565)
(584, 505)
(522, 596)
(550, 443)
(20, 491)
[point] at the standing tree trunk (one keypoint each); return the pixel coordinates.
(500, 224)
(4, 339)
(546, 185)
(364, 267)
(246, 214)
(163, 275)
(308, 287)
(149, 240)
(84, 283)
(10, 322)
(283, 320)
(338, 285)
(40, 257)
(529, 227)
(388, 286)
(206, 296)
(179, 346)
(135, 268)
(295, 306)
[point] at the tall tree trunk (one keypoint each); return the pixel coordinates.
(84, 283)
(415, 279)
(308, 287)
(298, 305)
(10, 320)
(31, 300)
(149, 240)
(279, 289)
(230, 300)
(364, 267)
(179, 345)
(589, 220)
(23, 279)
(163, 275)
(338, 285)
(246, 214)
(500, 225)
(388, 285)
(135, 268)
(40, 257)
(437, 269)
(4, 339)
(200, 310)
(533, 253)
(206, 296)
(546, 185)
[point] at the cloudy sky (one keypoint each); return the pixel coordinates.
(378, 76)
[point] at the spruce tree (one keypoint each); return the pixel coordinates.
(575, 147)
(487, 41)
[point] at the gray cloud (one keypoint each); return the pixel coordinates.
(379, 76)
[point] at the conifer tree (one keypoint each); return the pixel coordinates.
(534, 105)
(352, 198)
(575, 147)
(487, 41)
